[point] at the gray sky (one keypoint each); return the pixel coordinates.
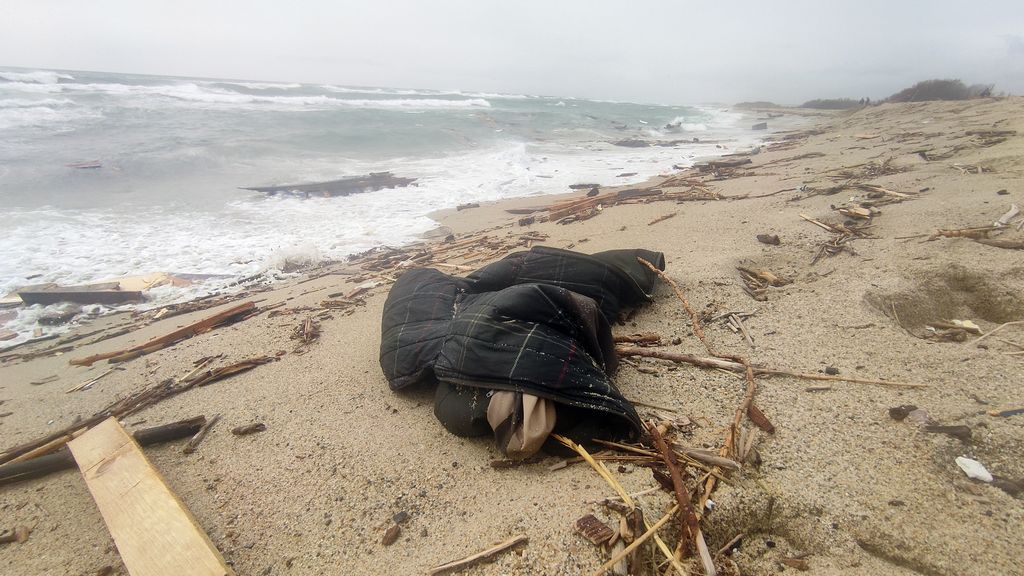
(645, 51)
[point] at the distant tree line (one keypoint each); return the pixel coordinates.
(923, 91)
(941, 90)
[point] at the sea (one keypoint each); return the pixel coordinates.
(107, 175)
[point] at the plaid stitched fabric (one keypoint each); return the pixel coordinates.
(535, 322)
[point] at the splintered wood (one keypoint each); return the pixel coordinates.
(154, 532)
(229, 316)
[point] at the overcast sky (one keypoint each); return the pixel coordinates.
(645, 51)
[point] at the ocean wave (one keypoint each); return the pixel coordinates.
(41, 116)
(24, 103)
(194, 93)
(35, 77)
(258, 85)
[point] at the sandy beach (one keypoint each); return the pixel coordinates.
(841, 484)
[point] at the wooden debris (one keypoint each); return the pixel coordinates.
(594, 530)
(662, 218)
(229, 316)
(62, 460)
(129, 405)
(341, 187)
(718, 363)
(249, 429)
(479, 556)
(999, 243)
(306, 332)
(689, 524)
(636, 542)
(194, 442)
(962, 433)
(391, 535)
(641, 339)
(152, 529)
(88, 383)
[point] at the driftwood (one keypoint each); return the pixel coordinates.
(688, 521)
(200, 434)
(720, 364)
(343, 187)
(132, 404)
(249, 429)
(479, 556)
(63, 460)
(229, 316)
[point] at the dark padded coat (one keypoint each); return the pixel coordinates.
(536, 322)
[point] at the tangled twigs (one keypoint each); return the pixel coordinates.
(698, 330)
(731, 436)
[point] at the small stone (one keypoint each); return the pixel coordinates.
(897, 503)
(901, 412)
(1003, 192)
(831, 370)
(401, 517)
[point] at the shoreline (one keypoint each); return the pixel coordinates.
(47, 324)
(839, 480)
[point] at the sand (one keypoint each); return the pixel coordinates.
(840, 480)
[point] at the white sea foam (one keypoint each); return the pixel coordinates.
(22, 116)
(203, 95)
(36, 77)
(259, 85)
(29, 103)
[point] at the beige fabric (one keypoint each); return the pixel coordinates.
(521, 422)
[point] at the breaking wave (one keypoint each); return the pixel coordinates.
(36, 77)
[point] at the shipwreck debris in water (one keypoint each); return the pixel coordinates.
(343, 187)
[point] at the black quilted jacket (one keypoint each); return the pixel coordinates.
(536, 322)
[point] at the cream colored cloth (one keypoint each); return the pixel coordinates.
(521, 422)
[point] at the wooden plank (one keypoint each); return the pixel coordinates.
(153, 530)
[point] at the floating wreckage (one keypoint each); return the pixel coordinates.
(343, 187)
(118, 291)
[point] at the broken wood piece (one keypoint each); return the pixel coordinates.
(743, 329)
(198, 437)
(249, 429)
(959, 432)
(233, 314)
(88, 383)
(999, 243)
(689, 523)
(766, 276)
(479, 556)
(662, 218)
(636, 542)
(62, 460)
(154, 532)
(594, 530)
(731, 366)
